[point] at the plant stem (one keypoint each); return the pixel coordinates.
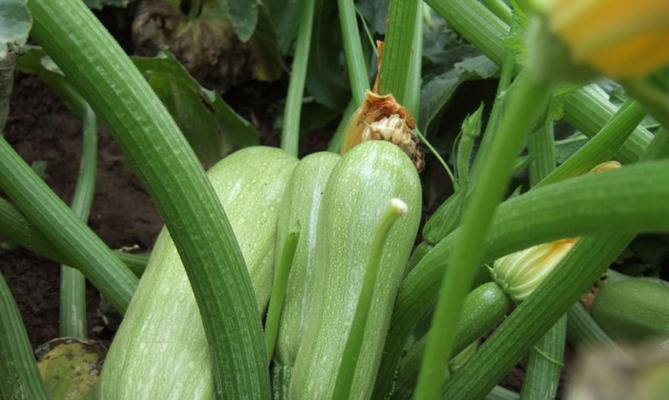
(355, 60)
(603, 146)
(544, 364)
(500, 9)
(411, 97)
(599, 199)
(151, 140)
(398, 48)
(527, 100)
(279, 293)
(19, 377)
(578, 269)
(582, 330)
(57, 223)
(290, 132)
(18, 230)
(335, 143)
(72, 309)
(349, 360)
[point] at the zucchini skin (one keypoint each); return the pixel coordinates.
(356, 196)
(633, 309)
(299, 211)
(160, 350)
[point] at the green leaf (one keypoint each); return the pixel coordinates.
(15, 23)
(243, 14)
(326, 79)
(210, 125)
(436, 94)
(99, 4)
(283, 14)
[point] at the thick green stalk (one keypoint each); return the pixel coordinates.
(602, 146)
(18, 230)
(290, 131)
(505, 76)
(349, 359)
(279, 293)
(582, 330)
(541, 149)
(411, 97)
(500, 9)
(60, 226)
(595, 207)
(398, 48)
(589, 258)
(355, 60)
(544, 364)
(19, 377)
(658, 147)
(152, 142)
(72, 293)
(526, 102)
(587, 108)
(582, 266)
(335, 143)
(500, 393)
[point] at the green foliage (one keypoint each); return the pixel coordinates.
(15, 23)
(99, 4)
(243, 14)
(211, 126)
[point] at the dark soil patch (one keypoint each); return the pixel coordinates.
(42, 129)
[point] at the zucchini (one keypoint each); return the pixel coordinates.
(633, 309)
(300, 208)
(160, 350)
(356, 197)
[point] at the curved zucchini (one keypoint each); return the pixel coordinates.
(300, 208)
(160, 350)
(356, 196)
(633, 309)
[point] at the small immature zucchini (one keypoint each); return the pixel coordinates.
(160, 350)
(633, 309)
(356, 196)
(299, 212)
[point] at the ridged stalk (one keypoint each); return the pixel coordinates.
(594, 204)
(527, 100)
(290, 132)
(72, 293)
(582, 330)
(152, 142)
(20, 231)
(355, 60)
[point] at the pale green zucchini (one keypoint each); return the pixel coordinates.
(356, 196)
(299, 212)
(160, 350)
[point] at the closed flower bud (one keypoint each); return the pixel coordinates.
(519, 273)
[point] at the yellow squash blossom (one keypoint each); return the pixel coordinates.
(620, 38)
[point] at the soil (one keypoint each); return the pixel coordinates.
(41, 128)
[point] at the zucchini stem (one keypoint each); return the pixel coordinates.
(344, 380)
(72, 310)
(279, 292)
(290, 131)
